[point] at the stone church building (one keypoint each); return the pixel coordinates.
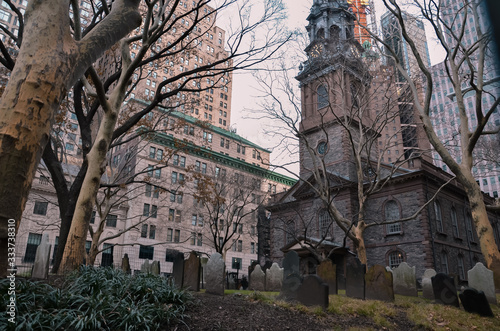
(334, 83)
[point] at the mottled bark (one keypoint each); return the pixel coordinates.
(49, 63)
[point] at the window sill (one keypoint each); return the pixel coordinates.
(394, 234)
(458, 238)
(442, 234)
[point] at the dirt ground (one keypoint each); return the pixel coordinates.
(235, 312)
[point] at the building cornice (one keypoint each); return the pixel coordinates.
(219, 158)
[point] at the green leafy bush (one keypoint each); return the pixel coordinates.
(96, 299)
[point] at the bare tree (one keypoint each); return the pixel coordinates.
(468, 70)
(50, 61)
(230, 200)
(351, 122)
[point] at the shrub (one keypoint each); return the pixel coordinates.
(96, 299)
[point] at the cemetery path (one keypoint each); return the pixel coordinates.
(235, 312)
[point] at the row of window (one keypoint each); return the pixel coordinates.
(454, 222)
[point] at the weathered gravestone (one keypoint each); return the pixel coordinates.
(313, 292)
(444, 290)
(404, 280)
(475, 302)
(378, 282)
(192, 272)
(214, 274)
(291, 276)
(178, 269)
(42, 259)
(251, 268)
(355, 278)
(326, 270)
(146, 267)
(274, 278)
(481, 278)
(258, 279)
(126, 264)
(427, 291)
(155, 268)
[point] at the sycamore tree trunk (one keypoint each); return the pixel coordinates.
(48, 64)
(483, 228)
(74, 251)
(359, 241)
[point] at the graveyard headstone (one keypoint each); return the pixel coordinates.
(42, 259)
(355, 278)
(327, 271)
(427, 291)
(444, 290)
(313, 292)
(192, 272)
(155, 268)
(214, 274)
(146, 267)
(178, 269)
(291, 276)
(481, 278)
(126, 264)
(274, 278)
(378, 283)
(476, 302)
(404, 280)
(258, 279)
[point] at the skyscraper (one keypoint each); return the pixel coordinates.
(392, 35)
(444, 107)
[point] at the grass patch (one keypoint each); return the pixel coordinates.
(426, 314)
(376, 310)
(96, 299)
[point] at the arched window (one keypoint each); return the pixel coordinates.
(289, 231)
(320, 34)
(444, 262)
(322, 96)
(334, 33)
(454, 222)
(395, 259)
(468, 226)
(392, 212)
(325, 224)
(461, 267)
(439, 218)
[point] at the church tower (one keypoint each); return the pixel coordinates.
(331, 81)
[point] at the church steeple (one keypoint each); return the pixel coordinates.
(330, 28)
(329, 80)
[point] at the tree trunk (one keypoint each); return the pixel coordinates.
(360, 245)
(48, 64)
(36, 87)
(74, 251)
(484, 230)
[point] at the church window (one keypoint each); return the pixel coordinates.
(439, 217)
(322, 96)
(324, 223)
(395, 259)
(454, 223)
(320, 34)
(392, 213)
(444, 262)
(334, 33)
